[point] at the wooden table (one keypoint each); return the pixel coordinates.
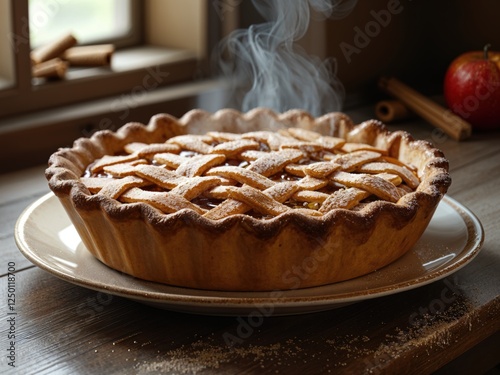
(66, 329)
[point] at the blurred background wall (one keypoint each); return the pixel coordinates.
(416, 44)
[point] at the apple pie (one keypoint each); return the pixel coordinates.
(249, 202)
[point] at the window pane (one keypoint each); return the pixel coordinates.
(90, 21)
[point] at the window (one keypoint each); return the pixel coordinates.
(160, 46)
(90, 21)
(170, 36)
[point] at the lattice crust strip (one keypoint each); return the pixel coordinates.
(263, 174)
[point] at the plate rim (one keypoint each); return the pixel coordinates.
(237, 299)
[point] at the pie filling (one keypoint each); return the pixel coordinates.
(262, 174)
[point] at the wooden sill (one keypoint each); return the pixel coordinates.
(130, 70)
(126, 60)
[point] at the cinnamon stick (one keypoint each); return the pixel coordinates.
(52, 50)
(96, 55)
(54, 68)
(391, 111)
(442, 118)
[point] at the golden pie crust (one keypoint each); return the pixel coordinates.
(251, 201)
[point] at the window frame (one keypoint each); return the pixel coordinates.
(25, 97)
(47, 117)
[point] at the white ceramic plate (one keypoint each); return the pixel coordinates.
(45, 235)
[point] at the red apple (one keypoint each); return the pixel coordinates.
(472, 88)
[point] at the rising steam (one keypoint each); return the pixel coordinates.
(266, 65)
